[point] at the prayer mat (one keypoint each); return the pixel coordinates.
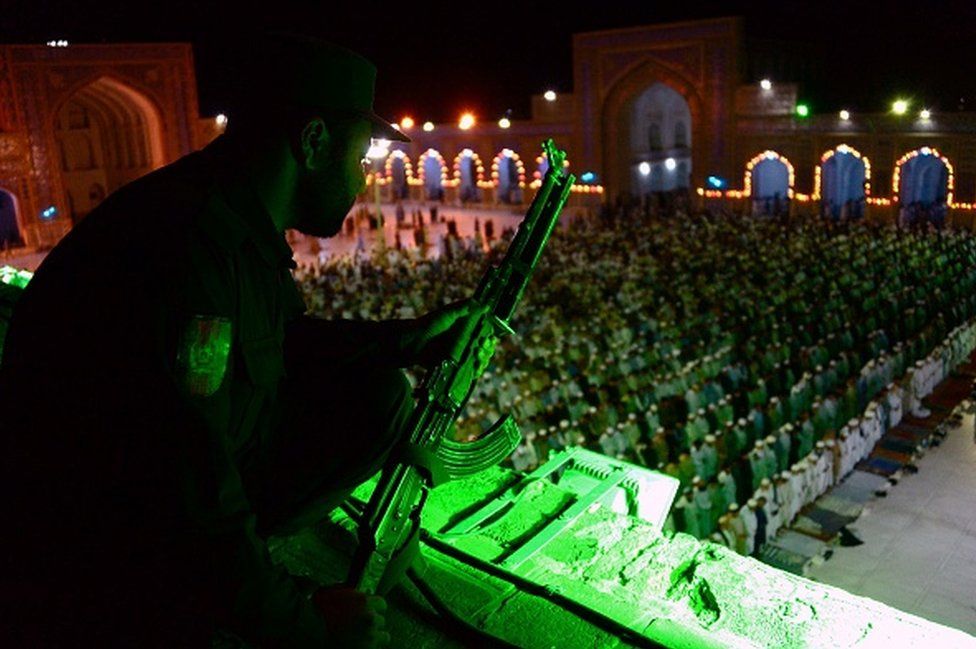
(784, 559)
(810, 527)
(906, 435)
(841, 506)
(879, 465)
(799, 544)
(897, 445)
(829, 521)
(894, 456)
(859, 486)
(919, 432)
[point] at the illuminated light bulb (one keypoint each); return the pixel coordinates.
(466, 121)
(845, 115)
(406, 123)
(925, 151)
(670, 164)
(899, 107)
(802, 110)
(766, 84)
(925, 114)
(504, 122)
(428, 126)
(221, 120)
(550, 95)
(644, 168)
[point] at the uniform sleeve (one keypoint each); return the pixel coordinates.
(337, 343)
(194, 315)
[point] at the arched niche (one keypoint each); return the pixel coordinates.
(10, 234)
(107, 134)
(842, 182)
(659, 136)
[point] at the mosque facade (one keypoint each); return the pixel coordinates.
(653, 109)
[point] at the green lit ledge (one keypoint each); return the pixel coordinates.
(606, 576)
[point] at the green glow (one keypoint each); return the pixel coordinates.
(15, 277)
(670, 588)
(802, 110)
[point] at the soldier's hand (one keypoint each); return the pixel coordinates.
(353, 619)
(432, 337)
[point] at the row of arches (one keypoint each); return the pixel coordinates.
(842, 179)
(467, 172)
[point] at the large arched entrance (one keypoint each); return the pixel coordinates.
(842, 181)
(9, 228)
(660, 140)
(108, 135)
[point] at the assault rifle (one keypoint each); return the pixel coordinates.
(390, 524)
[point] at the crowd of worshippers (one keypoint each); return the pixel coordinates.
(756, 360)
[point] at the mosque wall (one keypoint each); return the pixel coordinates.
(155, 82)
(730, 122)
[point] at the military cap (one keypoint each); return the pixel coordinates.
(304, 72)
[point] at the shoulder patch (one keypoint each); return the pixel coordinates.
(201, 360)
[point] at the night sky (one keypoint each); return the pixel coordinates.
(436, 59)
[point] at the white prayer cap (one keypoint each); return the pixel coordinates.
(709, 439)
(798, 467)
(697, 480)
(829, 443)
(700, 412)
(722, 474)
(631, 417)
(890, 386)
(784, 474)
(820, 445)
(742, 421)
(853, 422)
(774, 400)
(753, 503)
(819, 368)
(660, 429)
(770, 439)
(765, 482)
(563, 423)
(592, 410)
(733, 507)
(760, 443)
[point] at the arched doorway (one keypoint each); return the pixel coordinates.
(923, 183)
(509, 175)
(433, 173)
(108, 135)
(769, 181)
(659, 137)
(468, 172)
(398, 170)
(9, 227)
(843, 182)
